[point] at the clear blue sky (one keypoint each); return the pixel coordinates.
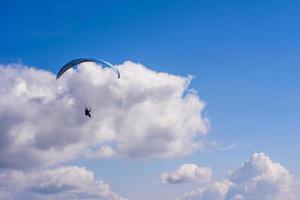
(244, 55)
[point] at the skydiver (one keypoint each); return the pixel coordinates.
(87, 112)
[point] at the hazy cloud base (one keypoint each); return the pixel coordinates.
(74, 183)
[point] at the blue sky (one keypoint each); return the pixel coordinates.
(244, 56)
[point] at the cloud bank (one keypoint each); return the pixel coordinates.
(187, 173)
(74, 183)
(257, 179)
(144, 114)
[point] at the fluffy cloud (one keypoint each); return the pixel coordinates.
(212, 191)
(62, 183)
(187, 173)
(257, 179)
(262, 179)
(144, 114)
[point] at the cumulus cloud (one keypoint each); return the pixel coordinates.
(74, 183)
(212, 191)
(144, 114)
(257, 179)
(187, 173)
(262, 179)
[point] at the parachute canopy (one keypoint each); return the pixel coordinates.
(77, 61)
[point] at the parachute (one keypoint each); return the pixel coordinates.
(77, 61)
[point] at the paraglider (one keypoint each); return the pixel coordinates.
(87, 112)
(77, 61)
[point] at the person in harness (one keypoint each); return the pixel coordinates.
(87, 112)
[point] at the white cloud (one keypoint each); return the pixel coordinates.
(212, 191)
(74, 183)
(187, 173)
(262, 179)
(144, 114)
(257, 179)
